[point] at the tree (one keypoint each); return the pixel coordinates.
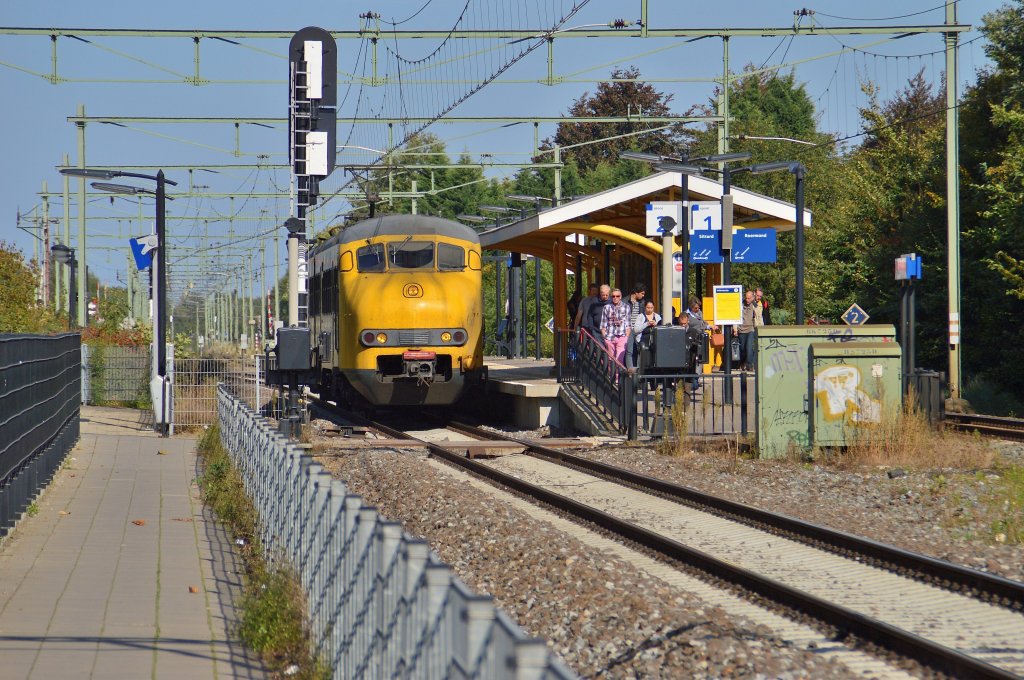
(623, 94)
(19, 309)
(772, 105)
(992, 208)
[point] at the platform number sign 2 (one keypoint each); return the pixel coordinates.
(855, 316)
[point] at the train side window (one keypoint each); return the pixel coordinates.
(450, 258)
(371, 258)
(411, 255)
(474, 260)
(346, 261)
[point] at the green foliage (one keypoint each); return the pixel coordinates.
(19, 309)
(623, 92)
(1005, 506)
(184, 346)
(273, 606)
(449, 191)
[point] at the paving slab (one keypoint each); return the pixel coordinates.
(97, 584)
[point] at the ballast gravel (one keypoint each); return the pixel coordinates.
(962, 516)
(600, 615)
(603, 618)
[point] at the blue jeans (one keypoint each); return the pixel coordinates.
(747, 354)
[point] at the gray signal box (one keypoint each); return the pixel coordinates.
(856, 389)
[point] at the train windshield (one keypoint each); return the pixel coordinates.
(371, 258)
(409, 254)
(450, 258)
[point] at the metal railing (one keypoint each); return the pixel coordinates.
(380, 603)
(657, 404)
(40, 400)
(928, 391)
(696, 404)
(611, 387)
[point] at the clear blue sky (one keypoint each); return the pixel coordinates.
(36, 133)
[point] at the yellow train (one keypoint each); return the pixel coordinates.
(395, 308)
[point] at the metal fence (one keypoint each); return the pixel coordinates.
(195, 387)
(116, 376)
(120, 376)
(381, 605)
(40, 398)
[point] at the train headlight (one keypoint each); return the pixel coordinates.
(382, 338)
(446, 337)
(460, 337)
(368, 338)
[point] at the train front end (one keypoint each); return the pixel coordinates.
(414, 330)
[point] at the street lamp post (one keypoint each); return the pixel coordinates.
(799, 172)
(66, 255)
(160, 315)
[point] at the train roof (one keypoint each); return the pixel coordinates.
(401, 225)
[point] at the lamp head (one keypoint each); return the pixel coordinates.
(678, 167)
(776, 166)
(90, 173)
(62, 253)
(727, 157)
(640, 156)
(294, 226)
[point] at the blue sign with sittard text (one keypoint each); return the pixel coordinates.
(754, 245)
(706, 247)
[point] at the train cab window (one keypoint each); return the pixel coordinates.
(411, 255)
(450, 258)
(474, 260)
(371, 258)
(346, 261)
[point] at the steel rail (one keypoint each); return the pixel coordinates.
(846, 622)
(947, 575)
(990, 426)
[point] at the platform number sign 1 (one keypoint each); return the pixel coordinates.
(855, 316)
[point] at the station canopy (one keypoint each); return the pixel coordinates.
(619, 215)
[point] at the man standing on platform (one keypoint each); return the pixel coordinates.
(636, 302)
(745, 331)
(762, 303)
(581, 312)
(592, 321)
(615, 325)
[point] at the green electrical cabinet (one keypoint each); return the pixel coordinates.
(783, 379)
(855, 388)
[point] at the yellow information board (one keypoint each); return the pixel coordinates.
(728, 305)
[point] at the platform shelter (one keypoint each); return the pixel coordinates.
(603, 236)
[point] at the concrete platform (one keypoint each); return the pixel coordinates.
(121, 572)
(529, 391)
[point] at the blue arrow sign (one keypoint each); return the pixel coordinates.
(855, 316)
(142, 261)
(706, 247)
(754, 245)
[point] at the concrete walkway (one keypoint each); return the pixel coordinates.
(121, 573)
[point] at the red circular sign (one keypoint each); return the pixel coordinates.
(679, 266)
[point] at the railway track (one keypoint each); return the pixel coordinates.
(970, 627)
(989, 426)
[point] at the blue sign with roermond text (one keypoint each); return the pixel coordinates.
(754, 245)
(706, 247)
